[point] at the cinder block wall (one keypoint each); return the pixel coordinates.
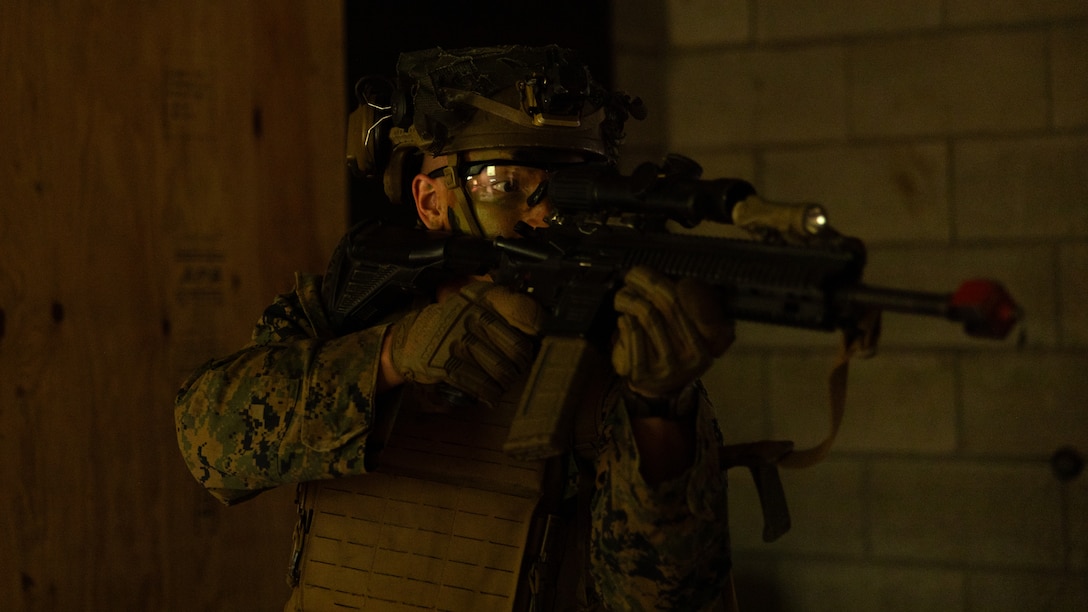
(952, 136)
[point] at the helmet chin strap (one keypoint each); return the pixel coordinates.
(464, 215)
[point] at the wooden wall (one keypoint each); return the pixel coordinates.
(165, 167)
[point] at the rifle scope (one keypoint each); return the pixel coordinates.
(682, 197)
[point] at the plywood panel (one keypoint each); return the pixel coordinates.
(165, 168)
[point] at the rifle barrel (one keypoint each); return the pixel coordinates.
(983, 306)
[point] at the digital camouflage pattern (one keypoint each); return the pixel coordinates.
(292, 406)
(297, 404)
(663, 548)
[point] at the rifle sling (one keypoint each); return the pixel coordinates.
(763, 458)
(859, 341)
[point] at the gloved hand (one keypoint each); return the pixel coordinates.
(668, 333)
(478, 339)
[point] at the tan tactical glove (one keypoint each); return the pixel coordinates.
(668, 333)
(478, 340)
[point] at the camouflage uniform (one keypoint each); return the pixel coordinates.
(298, 405)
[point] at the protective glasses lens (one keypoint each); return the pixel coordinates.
(505, 184)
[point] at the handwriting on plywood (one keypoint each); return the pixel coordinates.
(199, 292)
(190, 104)
(199, 275)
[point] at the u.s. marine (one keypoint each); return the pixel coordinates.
(393, 429)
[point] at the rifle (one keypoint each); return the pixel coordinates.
(798, 272)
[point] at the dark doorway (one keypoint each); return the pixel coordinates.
(376, 32)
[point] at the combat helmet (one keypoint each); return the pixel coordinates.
(449, 102)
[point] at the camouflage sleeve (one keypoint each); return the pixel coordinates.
(663, 547)
(291, 406)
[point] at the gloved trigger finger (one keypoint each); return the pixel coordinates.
(471, 379)
(503, 339)
(504, 368)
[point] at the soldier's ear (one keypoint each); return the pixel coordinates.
(432, 202)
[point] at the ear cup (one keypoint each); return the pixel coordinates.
(368, 145)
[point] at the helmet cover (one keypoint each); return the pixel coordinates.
(448, 102)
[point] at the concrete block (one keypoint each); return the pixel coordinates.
(1027, 272)
(880, 193)
(797, 389)
(802, 19)
(1069, 65)
(1078, 528)
(707, 22)
(824, 586)
(1012, 11)
(755, 336)
(732, 164)
(755, 578)
(1024, 404)
(1026, 592)
(1021, 188)
(900, 402)
(751, 96)
(639, 24)
(735, 385)
(951, 84)
(896, 402)
(642, 74)
(826, 508)
(634, 154)
(1001, 515)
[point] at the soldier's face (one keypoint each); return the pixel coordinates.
(506, 186)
